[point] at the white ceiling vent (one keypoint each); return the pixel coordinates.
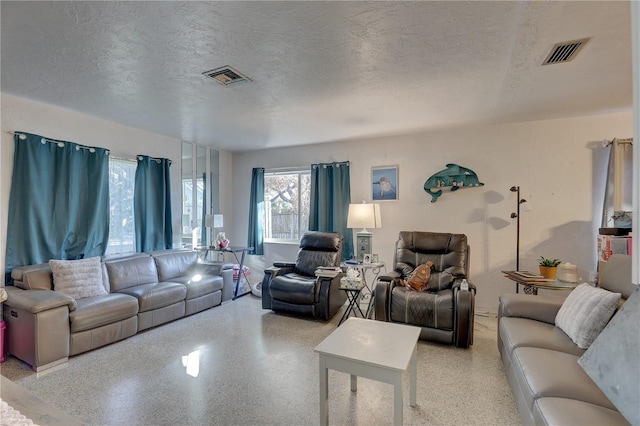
(226, 75)
(565, 51)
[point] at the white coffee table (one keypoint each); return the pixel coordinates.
(373, 349)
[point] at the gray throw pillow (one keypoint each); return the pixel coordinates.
(585, 313)
(78, 278)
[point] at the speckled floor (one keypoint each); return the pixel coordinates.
(250, 366)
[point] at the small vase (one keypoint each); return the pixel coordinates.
(550, 272)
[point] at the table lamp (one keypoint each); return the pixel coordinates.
(364, 216)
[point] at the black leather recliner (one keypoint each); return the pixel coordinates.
(445, 311)
(293, 288)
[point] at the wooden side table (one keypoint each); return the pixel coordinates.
(530, 287)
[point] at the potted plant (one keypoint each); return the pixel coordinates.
(549, 267)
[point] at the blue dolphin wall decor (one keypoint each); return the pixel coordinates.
(454, 176)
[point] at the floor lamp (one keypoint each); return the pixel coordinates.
(516, 215)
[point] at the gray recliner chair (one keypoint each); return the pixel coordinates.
(293, 288)
(444, 312)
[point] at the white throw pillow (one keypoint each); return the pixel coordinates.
(78, 278)
(585, 313)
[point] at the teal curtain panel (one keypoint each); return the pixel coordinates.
(59, 201)
(152, 204)
(330, 199)
(256, 212)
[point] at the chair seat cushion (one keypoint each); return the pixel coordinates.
(294, 288)
(199, 285)
(157, 295)
(97, 311)
(424, 309)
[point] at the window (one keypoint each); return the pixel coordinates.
(286, 197)
(122, 175)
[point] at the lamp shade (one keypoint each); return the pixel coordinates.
(364, 216)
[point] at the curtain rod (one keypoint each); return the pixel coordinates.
(336, 163)
(110, 153)
(44, 140)
(627, 141)
(285, 169)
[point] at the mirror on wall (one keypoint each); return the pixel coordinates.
(200, 193)
(187, 194)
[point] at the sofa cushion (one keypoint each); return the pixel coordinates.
(171, 263)
(93, 312)
(294, 288)
(567, 411)
(156, 295)
(585, 313)
(131, 272)
(542, 373)
(523, 332)
(425, 309)
(78, 278)
(198, 285)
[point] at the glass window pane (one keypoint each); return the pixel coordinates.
(122, 174)
(287, 205)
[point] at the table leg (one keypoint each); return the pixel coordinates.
(240, 274)
(354, 383)
(357, 306)
(413, 376)
(371, 306)
(324, 392)
(397, 401)
(346, 313)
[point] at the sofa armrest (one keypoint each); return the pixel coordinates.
(280, 264)
(34, 301)
(540, 308)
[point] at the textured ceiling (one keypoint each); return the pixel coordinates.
(321, 71)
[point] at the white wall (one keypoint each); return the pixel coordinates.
(558, 165)
(19, 114)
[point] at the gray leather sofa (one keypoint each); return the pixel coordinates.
(541, 361)
(45, 327)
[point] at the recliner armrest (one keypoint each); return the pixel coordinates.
(389, 276)
(34, 301)
(458, 282)
(330, 297)
(464, 303)
(382, 294)
(269, 274)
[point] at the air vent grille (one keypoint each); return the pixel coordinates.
(565, 51)
(226, 75)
